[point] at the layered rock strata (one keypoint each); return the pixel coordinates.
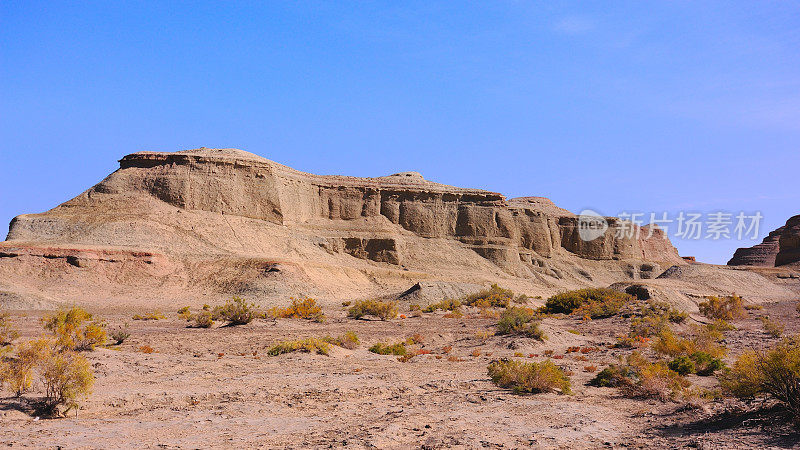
(192, 209)
(780, 247)
(236, 183)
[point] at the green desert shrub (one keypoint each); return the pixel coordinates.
(520, 321)
(706, 364)
(637, 377)
(203, 319)
(237, 311)
(349, 340)
(444, 305)
(657, 380)
(75, 329)
(615, 375)
(120, 335)
(670, 344)
(398, 349)
(725, 308)
(683, 365)
(310, 345)
(522, 299)
(380, 309)
(494, 297)
(663, 309)
(593, 303)
(774, 373)
(415, 339)
(185, 314)
(746, 378)
(647, 326)
(300, 308)
(771, 327)
(699, 354)
(529, 377)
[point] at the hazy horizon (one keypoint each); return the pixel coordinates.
(630, 107)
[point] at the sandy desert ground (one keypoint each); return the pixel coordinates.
(218, 388)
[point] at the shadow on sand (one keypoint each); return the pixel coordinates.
(769, 425)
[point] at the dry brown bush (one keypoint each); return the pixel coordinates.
(725, 308)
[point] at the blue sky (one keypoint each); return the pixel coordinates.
(613, 106)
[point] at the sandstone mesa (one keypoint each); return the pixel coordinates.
(205, 224)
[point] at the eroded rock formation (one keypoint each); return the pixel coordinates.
(789, 243)
(779, 248)
(187, 211)
(236, 183)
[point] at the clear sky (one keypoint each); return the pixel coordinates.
(614, 106)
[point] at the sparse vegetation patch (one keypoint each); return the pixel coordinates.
(771, 327)
(348, 340)
(592, 303)
(203, 319)
(638, 377)
(64, 375)
(494, 297)
(520, 321)
(154, 315)
(774, 374)
(529, 377)
(310, 345)
(725, 308)
(120, 335)
(300, 308)
(236, 311)
(185, 313)
(703, 349)
(7, 331)
(380, 309)
(398, 349)
(75, 329)
(444, 305)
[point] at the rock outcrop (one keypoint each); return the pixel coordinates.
(236, 183)
(187, 213)
(778, 248)
(762, 254)
(789, 243)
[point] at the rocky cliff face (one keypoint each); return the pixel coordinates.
(780, 247)
(235, 183)
(208, 204)
(762, 254)
(789, 243)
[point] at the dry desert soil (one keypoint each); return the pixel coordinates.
(218, 387)
(169, 229)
